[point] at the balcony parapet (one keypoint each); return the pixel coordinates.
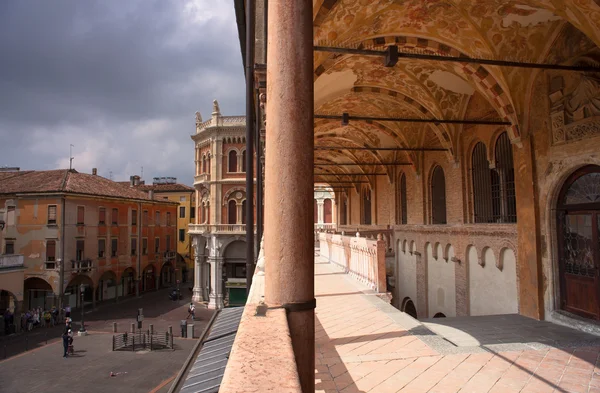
(263, 340)
(202, 178)
(204, 229)
(12, 261)
(362, 258)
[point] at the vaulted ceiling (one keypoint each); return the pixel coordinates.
(522, 31)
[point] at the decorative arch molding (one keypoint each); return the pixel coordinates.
(228, 195)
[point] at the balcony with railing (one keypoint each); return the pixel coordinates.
(202, 178)
(202, 229)
(11, 261)
(82, 266)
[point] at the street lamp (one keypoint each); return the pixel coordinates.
(82, 331)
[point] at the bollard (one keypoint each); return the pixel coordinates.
(190, 330)
(114, 327)
(151, 329)
(133, 328)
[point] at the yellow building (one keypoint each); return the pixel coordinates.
(168, 188)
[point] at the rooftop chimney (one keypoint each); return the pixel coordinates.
(151, 194)
(131, 181)
(94, 171)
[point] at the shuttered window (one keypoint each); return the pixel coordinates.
(101, 248)
(52, 214)
(102, 216)
(51, 250)
(134, 217)
(115, 216)
(80, 215)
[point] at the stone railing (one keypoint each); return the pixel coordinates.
(201, 178)
(11, 261)
(370, 232)
(82, 266)
(201, 229)
(221, 120)
(362, 258)
(263, 340)
(325, 227)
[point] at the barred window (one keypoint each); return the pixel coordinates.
(438, 196)
(503, 182)
(483, 209)
(401, 204)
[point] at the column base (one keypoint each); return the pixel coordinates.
(216, 302)
(197, 295)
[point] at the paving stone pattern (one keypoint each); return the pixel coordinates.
(365, 345)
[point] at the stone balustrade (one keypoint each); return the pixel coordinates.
(11, 261)
(201, 229)
(362, 258)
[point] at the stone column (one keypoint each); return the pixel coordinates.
(205, 279)
(215, 298)
(289, 189)
(198, 279)
(320, 212)
(215, 188)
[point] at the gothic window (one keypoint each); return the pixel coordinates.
(244, 161)
(438, 196)
(344, 211)
(482, 185)
(401, 204)
(327, 211)
(231, 212)
(504, 202)
(366, 205)
(203, 164)
(232, 163)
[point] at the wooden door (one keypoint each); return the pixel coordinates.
(578, 216)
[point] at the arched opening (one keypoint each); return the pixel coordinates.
(203, 164)
(232, 161)
(244, 161)
(167, 275)
(149, 278)
(327, 211)
(409, 308)
(439, 315)
(128, 282)
(366, 206)
(344, 210)
(503, 183)
(578, 226)
(8, 309)
(231, 212)
(482, 185)
(438, 196)
(234, 284)
(107, 286)
(37, 293)
(73, 291)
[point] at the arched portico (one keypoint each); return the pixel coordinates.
(149, 279)
(73, 291)
(37, 292)
(167, 275)
(127, 282)
(234, 277)
(107, 286)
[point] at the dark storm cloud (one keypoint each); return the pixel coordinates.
(129, 73)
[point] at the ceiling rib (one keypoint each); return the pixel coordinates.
(346, 118)
(389, 55)
(380, 148)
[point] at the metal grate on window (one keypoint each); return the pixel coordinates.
(483, 191)
(503, 182)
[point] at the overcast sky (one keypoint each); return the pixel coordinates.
(119, 79)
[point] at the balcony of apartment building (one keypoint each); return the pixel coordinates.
(217, 229)
(201, 178)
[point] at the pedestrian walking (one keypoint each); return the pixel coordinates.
(65, 338)
(191, 312)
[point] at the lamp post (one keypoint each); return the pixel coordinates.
(82, 331)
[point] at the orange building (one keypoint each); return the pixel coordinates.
(74, 228)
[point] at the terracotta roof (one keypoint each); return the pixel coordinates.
(165, 187)
(63, 180)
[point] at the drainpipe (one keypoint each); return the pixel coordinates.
(61, 274)
(250, 40)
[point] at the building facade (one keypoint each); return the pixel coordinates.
(218, 235)
(73, 228)
(167, 188)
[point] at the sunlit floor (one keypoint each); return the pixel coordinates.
(365, 345)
